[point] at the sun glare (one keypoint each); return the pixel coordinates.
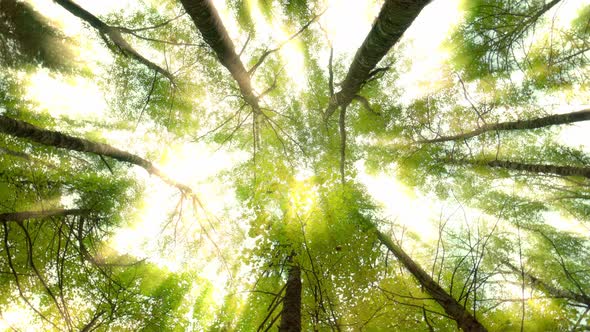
(195, 237)
(426, 51)
(229, 21)
(564, 13)
(89, 51)
(18, 318)
(74, 97)
(290, 53)
(302, 196)
(191, 164)
(400, 204)
(348, 22)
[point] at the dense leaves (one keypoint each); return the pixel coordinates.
(242, 170)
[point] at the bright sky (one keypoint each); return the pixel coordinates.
(347, 23)
(75, 97)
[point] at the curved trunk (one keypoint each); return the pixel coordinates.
(551, 120)
(465, 320)
(113, 33)
(291, 313)
(394, 19)
(22, 129)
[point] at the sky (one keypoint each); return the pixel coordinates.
(197, 164)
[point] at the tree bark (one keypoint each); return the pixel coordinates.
(114, 35)
(548, 288)
(208, 22)
(22, 129)
(394, 19)
(291, 313)
(465, 320)
(25, 215)
(530, 168)
(551, 120)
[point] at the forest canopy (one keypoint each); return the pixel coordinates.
(300, 165)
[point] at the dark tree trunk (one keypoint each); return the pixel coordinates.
(465, 320)
(208, 22)
(22, 129)
(26, 215)
(394, 19)
(529, 168)
(546, 121)
(291, 313)
(113, 33)
(548, 288)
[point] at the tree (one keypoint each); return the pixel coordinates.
(300, 242)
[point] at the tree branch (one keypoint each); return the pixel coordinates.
(26, 215)
(394, 19)
(551, 120)
(114, 35)
(22, 129)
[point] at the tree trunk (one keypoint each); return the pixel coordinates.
(25, 215)
(465, 320)
(114, 35)
(22, 129)
(548, 288)
(208, 22)
(530, 168)
(546, 121)
(291, 314)
(394, 19)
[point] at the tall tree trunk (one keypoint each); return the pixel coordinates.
(548, 288)
(208, 22)
(530, 168)
(25, 215)
(546, 121)
(465, 320)
(113, 33)
(22, 129)
(394, 19)
(291, 313)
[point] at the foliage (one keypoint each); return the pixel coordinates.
(296, 194)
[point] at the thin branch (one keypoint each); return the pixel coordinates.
(550, 120)
(147, 99)
(266, 53)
